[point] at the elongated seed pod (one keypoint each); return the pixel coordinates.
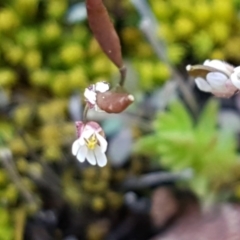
(103, 30)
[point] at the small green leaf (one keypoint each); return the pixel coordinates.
(177, 117)
(181, 114)
(208, 118)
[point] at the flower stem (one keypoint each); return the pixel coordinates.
(123, 72)
(85, 111)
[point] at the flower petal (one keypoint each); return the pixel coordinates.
(235, 77)
(219, 65)
(82, 153)
(90, 96)
(100, 156)
(214, 63)
(222, 94)
(75, 147)
(91, 157)
(102, 87)
(93, 125)
(86, 134)
(103, 143)
(216, 80)
(203, 85)
(80, 126)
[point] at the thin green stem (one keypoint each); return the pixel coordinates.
(85, 113)
(123, 73)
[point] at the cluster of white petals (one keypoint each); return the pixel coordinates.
(90, 94)
(91, 144)
(224, 82)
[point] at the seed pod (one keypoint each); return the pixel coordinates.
(103, 30)
(114, 102)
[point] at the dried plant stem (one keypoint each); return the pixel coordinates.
(185, 90)
(156, 178)
(148, 26)
(6, 159)
(50, 173)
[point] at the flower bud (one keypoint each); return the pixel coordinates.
(216, 77)
(113, 102)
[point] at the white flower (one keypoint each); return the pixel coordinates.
(90, 93)
(235, 77)
(91, 144)
(217, 82)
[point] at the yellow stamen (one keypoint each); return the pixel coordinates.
(91, 142)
